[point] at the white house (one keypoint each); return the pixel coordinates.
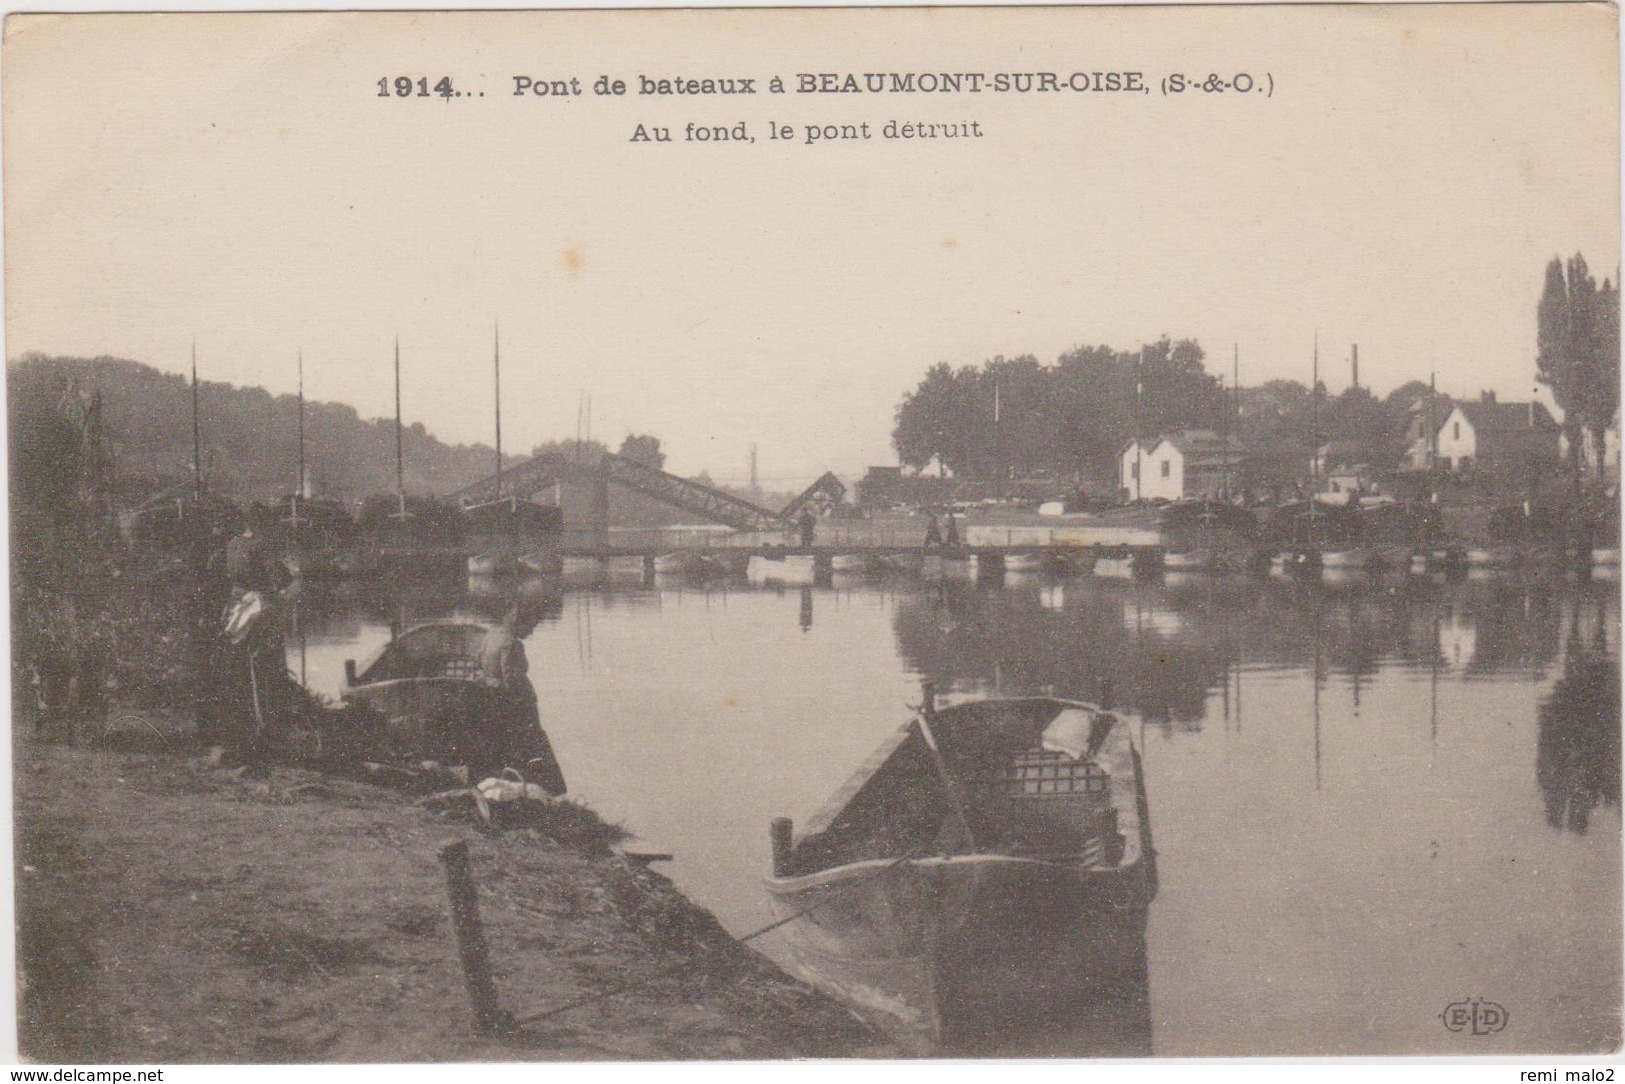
(1195, 463)
(1153, 470)
(1458, 439)
(1518, 440)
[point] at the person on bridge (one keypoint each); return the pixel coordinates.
(807, 522)
(933, 531)
(953, 531)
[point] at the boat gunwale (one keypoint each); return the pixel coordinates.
(377, 656)
(364, 687)
(837, 803)
(836, 875)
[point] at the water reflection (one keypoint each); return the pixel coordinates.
(1165, 648)
(1396, 745)
(1072, 1008)
(1577, 759)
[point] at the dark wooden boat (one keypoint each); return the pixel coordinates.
(429, 685)
(982, 881)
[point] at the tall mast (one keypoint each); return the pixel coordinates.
(1235, 391)
(197, 439)
(1139, 421)
(1224, 433)
(1314, 438)
(400, 473)
(1314, 420)
(299, 483)
(998, 465)
(496, 365)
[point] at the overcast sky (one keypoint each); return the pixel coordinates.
(238, 179)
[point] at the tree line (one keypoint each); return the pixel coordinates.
(1019, 416)
(1072, 419)
(1009, 417)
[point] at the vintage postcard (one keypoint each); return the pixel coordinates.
(864, 533)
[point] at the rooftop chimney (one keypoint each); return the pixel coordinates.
(1486, 396)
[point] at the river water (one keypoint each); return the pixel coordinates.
(1370, 801)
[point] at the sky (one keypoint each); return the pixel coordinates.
(239, 180)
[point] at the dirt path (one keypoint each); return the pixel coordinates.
(171, 912)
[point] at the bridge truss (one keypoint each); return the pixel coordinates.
(707, 502)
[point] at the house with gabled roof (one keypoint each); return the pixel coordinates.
(1189, 464)
(1512, 443)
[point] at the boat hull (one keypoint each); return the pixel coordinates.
(624, 569)
(902, 562)
(794, 570)
(1024, 562)
(1114, 568)
(980, 884)
(541, 564)
(455, 721)
(1073, 561)
(1216, 562)
(431, 700)
(491, 564)
(1492, 557)
(1357, 559)
(979, 954)
(582, 568)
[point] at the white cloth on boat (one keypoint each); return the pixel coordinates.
(1069, 732)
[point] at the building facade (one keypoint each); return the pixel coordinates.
(1514, 444)
(1195, 463)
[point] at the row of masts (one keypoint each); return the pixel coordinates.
(400, 459)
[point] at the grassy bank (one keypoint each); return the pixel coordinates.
(172, 911)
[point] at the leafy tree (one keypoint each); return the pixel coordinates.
(1095, 385)
(1277, 430)
(1357, 415)
(924, 418)
(645, 449)
(1178, 393)
(1017, 415)
(579, 451)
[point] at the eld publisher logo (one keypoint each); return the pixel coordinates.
(1476, 1017)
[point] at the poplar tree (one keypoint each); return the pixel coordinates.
(1561, 322)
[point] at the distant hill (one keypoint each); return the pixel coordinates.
(250, 437)
(251, 441)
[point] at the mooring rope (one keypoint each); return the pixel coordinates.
(667, 972)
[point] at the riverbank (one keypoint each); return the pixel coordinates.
(174, 911)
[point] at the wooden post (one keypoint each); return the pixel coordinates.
(489, 1019)
(928, 689)
(349, 671)
(782, 831)
(1105, 694)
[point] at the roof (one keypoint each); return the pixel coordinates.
(1198, 447)
(1504, 417)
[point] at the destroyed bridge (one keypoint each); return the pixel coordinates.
(606, 469)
